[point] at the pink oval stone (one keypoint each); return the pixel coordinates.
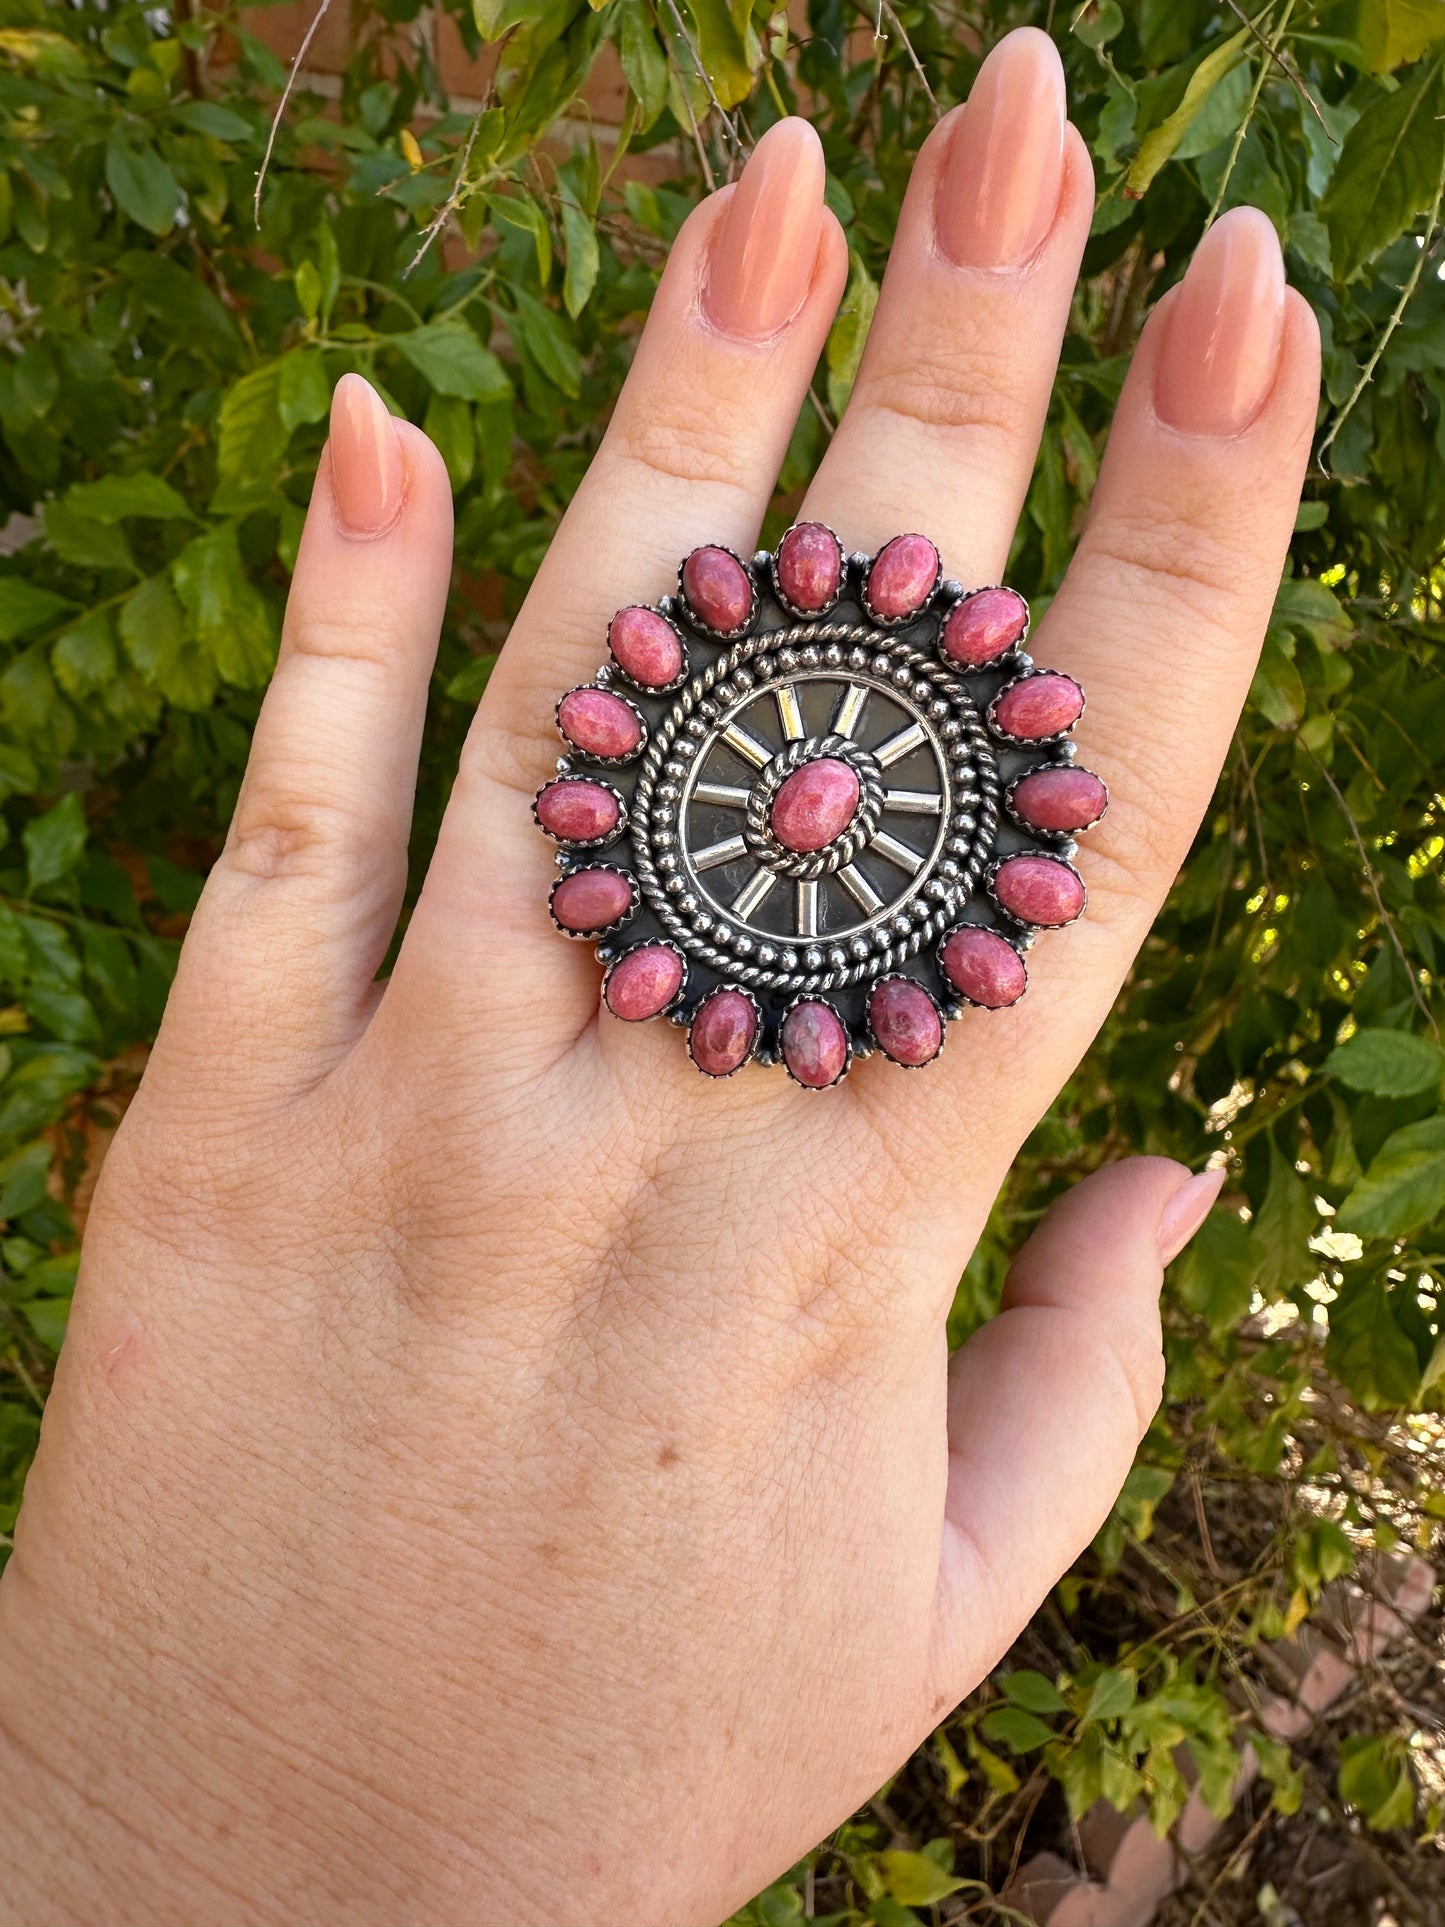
(643, 983)
(1038, 706)
(983, 626)
(903, 576)
(815, 804)
(718, 588)
(1060, 799)
(982, 967)
(577, 811)
(810, 566)
(723, 1032)
(645, 647)
(599, 723)
(904, 1021)
(1039, 889)
(591, 899)
(815, 1045)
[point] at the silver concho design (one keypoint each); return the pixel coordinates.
(817, 805)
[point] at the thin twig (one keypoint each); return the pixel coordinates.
(898, 28)
(454, 199)
(1373, 881)
(301, 51)
(706, 80)
(1249, 112)
(1367, 373)
(1289, 72)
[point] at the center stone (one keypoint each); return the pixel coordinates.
(815, 805)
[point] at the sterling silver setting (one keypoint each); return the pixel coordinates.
(925, 853)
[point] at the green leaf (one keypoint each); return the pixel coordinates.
(143, 186)
(644, 64)
(22, 1179)
(83, 659)
(849, 333)
(449, 424)
(1280, 1235)
(228, 615)
(1388, 171)
(55, 842)
(210, 117)
(1387, 1063)
(1395, 32)
(250, 434)
(1111, 1694)
(541, 333)
(1404, 1186)
(1032, 1691)
(114, 497)
(582, 258)
(450, 357)
(23, 607)
(158, 641)
(1368, 1349)
(1159, 143)
(914, 1880)
(1277, 691)
(303, 394)
(1018, 1730)
(1374, 1776)
(84, 544)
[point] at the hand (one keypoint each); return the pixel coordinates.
(495, 1473)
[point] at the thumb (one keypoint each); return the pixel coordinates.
(1048, 1402)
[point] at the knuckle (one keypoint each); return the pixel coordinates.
(686, 443)
(283, 832)
(1132, 855)
(1179, 561)
(354, 637)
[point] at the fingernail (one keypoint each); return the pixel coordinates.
(766, 249)
(1224, 326)
(1187, 1210)
(999, 190)
(366, 462)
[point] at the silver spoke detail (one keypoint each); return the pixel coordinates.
(897, 747)
(850, 709)
(727, 795)
(896, 852)
(808, 908)
(753, 892)
(789, 713)
(719, 853)
(746, 746)
(913, 802)
(860, 889)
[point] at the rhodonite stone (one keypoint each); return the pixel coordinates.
(1062, 799)
(718, 590)
(815, 1045)
(810, 566)
(645, 647)
(643, 983)
(983, 967)
(1039, 889)
(815, 805)
(904, 1021)
(599, 723)
(983, 627)
(903, 577)
(590, 900)
(576, 811)
(1038, 706)
(724, 1030)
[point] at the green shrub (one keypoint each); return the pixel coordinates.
(165, 368)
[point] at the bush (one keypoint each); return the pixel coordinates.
(165, 368)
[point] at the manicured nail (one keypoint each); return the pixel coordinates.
(766, 249)
(1224, 325)
(366, 461)
(999, 190)
(1187, 1210)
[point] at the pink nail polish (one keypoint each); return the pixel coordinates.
(1190, 1205)
(999, 190)
(1224, 326)
(366, 459)
(766, 248)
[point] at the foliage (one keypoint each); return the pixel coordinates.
(165, 370)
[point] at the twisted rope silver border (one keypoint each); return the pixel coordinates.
(758, 829)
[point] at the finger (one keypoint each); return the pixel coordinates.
(943, 426)
(1048, 1402)
(1160, 617)
(299, 909)
(691, 456)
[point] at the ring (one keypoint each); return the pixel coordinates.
(817, 805)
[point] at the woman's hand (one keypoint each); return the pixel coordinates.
(494, 1473)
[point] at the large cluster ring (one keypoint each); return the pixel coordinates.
(817, 805)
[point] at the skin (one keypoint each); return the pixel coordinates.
(493, 1472)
